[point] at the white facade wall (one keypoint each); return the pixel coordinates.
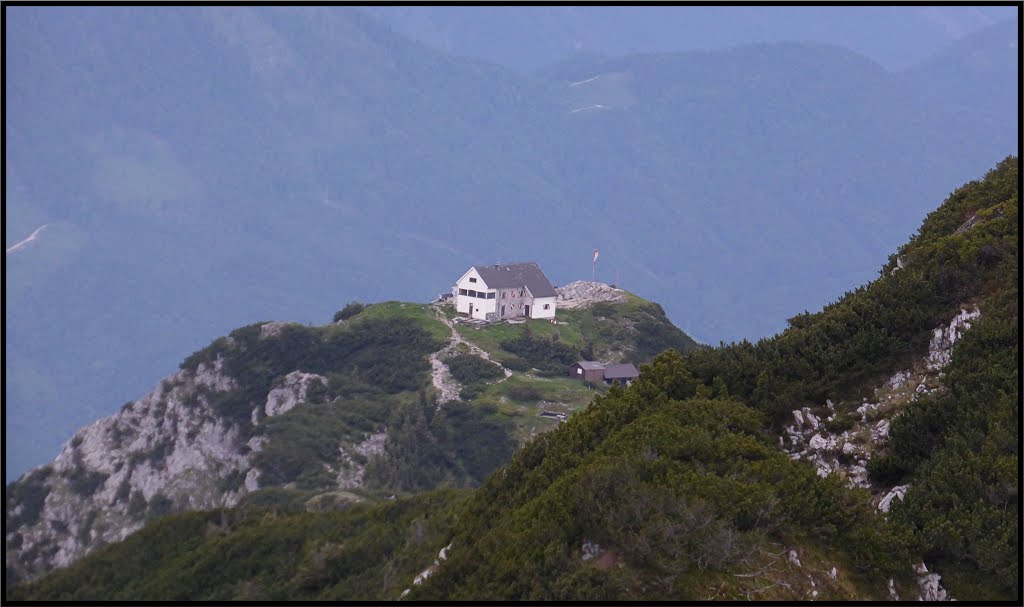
(537, 309)
(481, 307)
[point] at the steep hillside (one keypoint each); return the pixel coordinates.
(382, 168)
(347, 410)
(682, 486)
(646, 483)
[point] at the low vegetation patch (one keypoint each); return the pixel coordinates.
(469, 369)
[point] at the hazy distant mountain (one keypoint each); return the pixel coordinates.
(530, 38)
(967, 74)
(200, 168)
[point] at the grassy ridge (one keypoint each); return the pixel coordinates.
(631, 331)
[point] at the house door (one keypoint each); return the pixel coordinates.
(503, 310)
(471, 310)
(527, 311)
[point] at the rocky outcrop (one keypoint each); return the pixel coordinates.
(293, 391)
(840, 438)
(896, 492)
(167, 451)
(583, 293)
(353, 459)
(423, 575)
(273, 328)
(943, 338)
(928, 583)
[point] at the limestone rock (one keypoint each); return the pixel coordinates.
(880, 431)
(793, 558)
(931, 590)
(273, 328)
(583, 293)
(898, 491)
(291, 393)
(166, 448)
(892, 590)
(941, 346)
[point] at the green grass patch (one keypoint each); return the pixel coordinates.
(422, 314)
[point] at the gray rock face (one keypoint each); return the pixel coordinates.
(351, 471)
(808, 439)
(167, 451)
(848, 452)
(931, 589)
(292, 392)
(273, 328)
(583, 293)
(943, 338)
(896, 492)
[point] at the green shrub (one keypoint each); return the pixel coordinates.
(124, 491)
(471, 391)
(468, 369)
(233, 481)
(376, 355)
(546, 355)
(516, 363)
(30, 493)
(84, 534)
(426, 447)
(523, 393)
(85, 482)
(137, 504)
(160, 505)
(304, 439)
(351, 309)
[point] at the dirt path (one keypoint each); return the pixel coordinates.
(442, 377)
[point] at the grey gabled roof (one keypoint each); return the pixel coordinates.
(512, 275)
(590, 365)
(624, 371)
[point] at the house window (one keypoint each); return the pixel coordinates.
(579, 371)
(547, 306)
(490, 295)
(472, 280)
(462, 292)
(471, 293)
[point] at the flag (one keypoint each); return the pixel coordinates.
(595, 256)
